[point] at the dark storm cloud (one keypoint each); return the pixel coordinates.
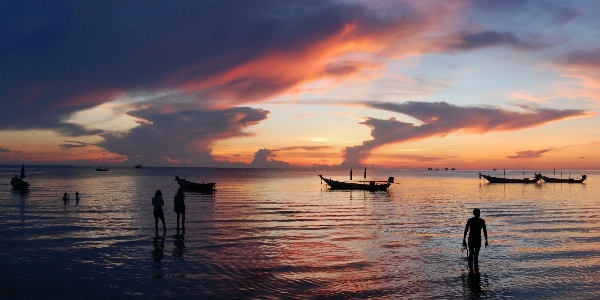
(543, 11)
(264, 158)
(74, 144)
(529, 154)
(521, 24)
(495, 38)
(58, 57)
(583, 58)
(182, 136)
(4, 150)
(441, 118)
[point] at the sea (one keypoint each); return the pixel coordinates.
(282, 234)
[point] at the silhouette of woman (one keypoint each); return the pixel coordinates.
(179, 205)
(158, 203)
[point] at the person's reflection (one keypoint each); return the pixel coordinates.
(22, 197)
(179, 244)
(472, 284)
(157, 253)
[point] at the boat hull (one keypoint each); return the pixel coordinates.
(492, 179)
(189, 186)
(370, 186)
(566, 180)
(18, 184)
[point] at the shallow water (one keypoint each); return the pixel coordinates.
(272, 234)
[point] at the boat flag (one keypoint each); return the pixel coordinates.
(22, 171)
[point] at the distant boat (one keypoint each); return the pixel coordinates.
(189, 186)
(138, 166)
(18, 183)
(493, 179)
(364, 185)
(101, 169)
(565, 180)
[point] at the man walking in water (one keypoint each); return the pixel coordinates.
(474, 227)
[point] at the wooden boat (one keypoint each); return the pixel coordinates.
(138, 166)
(102, 169)
(189, 186)
(363, 185)
(565, 180)
(493, 179)
(18, 183)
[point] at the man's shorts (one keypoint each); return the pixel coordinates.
(474, 244)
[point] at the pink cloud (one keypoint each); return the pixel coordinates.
(529, 154)
(441, 118)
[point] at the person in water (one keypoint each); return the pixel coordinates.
(77, 197)
(158, 203)
(474, 227)
(66, 198)
(179, 205)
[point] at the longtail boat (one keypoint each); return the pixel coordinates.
(105, 169)
(18, 183)
(565, 180)
(365, 185)
(493, 179)
(189, 186)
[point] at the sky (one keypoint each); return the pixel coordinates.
(340, 84)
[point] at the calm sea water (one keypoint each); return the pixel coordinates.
(281, 234)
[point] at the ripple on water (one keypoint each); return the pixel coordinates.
(271, 234)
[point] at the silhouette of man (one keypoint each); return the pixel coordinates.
(474, 227)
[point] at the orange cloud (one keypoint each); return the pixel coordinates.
(278, 72)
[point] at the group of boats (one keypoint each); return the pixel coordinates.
(105, 169)
(535, 179)
(18, 183)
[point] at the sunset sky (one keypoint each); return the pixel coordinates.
(395, 84)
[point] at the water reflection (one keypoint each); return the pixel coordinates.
(474, 285)
(21, 196)
(158, 255)
(179, 243)
(275, 235)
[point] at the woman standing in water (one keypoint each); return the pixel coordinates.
(158, 203)
(179, 205)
